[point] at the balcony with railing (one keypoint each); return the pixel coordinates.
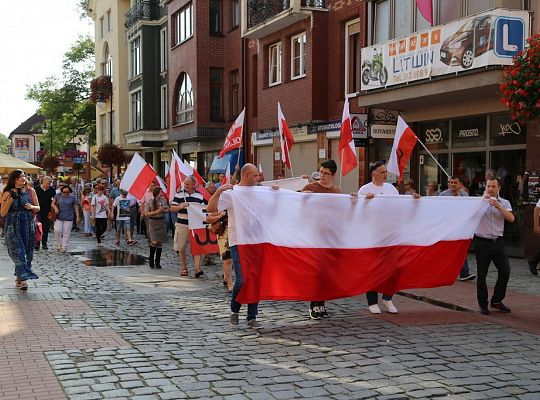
(264, 17)
(144, 10)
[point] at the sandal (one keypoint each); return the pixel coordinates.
(184, 272)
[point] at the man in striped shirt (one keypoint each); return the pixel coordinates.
(180, 203)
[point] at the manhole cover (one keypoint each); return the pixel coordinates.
(109, 258)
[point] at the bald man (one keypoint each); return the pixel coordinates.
(222, 201)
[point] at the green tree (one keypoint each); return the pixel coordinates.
(64, 100)
(4, 143)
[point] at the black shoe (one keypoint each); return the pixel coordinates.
(533, 268)
(323, 312)
(199, 273)
(45, 247)
(501, 307)
(314, 313)
(36, 248)
(484, 310)
(467, 278)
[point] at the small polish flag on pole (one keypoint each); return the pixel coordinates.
(227, 178)
(347, 151)
(404, 143)
(138, 176)
(234, 136)
(285, 138)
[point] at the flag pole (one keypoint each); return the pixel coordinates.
(341, 168)
(289, 158)
(434, 159)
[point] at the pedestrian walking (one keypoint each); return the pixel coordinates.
(19, 203)
(455, 188)
(324, 184)
(45, 195)
(375, 188)
(157, 229)
(218, 225)
(121, 210)
(76, 191)
(180, 203)
(147, 196)
(489, 246)
(100, 213)
(87, 210)
(533, 262)
(66, 209)
(222, 201)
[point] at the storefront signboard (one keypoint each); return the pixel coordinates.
(489, 38)
(505, 131)
(380, 131)
(469, 132)
(435, 135)
(533, 186)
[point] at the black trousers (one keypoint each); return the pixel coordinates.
(536, 258)
(101, 228)
(486, 251)
(46, 224)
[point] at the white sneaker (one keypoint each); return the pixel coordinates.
(390, 306)
(374, 309)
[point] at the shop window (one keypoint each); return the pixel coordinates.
(471, 167)
(184, 100)
(505, 131)
(434, 135)
(430, 172)
(216, 94)
(469, 132)
(352, 56)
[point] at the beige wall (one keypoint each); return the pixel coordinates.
(119, 51)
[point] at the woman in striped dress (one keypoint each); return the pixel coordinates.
(19, 203)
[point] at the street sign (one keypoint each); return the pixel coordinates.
(78, 160)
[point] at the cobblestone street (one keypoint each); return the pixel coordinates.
(130, 332)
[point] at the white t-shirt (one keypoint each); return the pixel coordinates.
(225, 203)
(122, 205)
(101, 202)
(385, 189)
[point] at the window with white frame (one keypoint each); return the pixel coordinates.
(163, 49)
(136, 110)
(298, 55)
(274, 64)
(135, 57)
(184, 100)
(183, 24)
(352, 56)
(164, 104)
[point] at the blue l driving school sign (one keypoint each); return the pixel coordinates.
(509, 36)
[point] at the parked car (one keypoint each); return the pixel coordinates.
(471, 40)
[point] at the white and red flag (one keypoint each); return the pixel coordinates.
(404, 142)
(175, 179)
(426, 9)
(388, 244)
(234, 136)
(201, 240)
(285, 138)
(138, 176)
(187, 170)
(227, 178)
(347, 151)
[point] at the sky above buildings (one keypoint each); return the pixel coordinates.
(34, 35)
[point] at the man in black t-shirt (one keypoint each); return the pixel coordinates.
(45, 194)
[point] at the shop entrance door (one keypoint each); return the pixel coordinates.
(510, 165)
(471, 168)
(430, 172)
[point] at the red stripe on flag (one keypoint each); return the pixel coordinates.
(282, 273)
(202, 241)
(404, 150)
(143, 180)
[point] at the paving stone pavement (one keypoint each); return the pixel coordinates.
(134, 333)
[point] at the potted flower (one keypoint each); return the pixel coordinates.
(520, 90)
(100, 89)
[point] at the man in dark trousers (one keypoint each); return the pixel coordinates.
(489, 246)
(533, 262)
(45, 194)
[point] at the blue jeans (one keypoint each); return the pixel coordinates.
(464, 270)
(373, 297)
(253, 309)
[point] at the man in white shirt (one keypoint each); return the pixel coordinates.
(533, 262)
(377, 187)
(489, 246)
(222, 201)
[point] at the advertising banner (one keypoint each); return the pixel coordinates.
(489, 38)
(22, 149)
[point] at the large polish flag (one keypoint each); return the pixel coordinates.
(234, 136)
(404, 142)
(138, 176)
(347, 150)
(285, 138)
(353, 245)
